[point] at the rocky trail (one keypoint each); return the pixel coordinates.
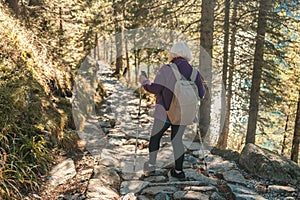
(105, 167)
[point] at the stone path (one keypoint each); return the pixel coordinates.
(111, 140)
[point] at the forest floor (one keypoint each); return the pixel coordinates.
(77, 186)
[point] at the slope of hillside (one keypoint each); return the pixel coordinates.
(33, 120)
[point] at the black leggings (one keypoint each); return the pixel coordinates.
(158, 129)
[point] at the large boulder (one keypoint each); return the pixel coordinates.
(269, 165)
(227, 154)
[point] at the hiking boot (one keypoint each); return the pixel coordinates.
(148, 168)
(179, 175)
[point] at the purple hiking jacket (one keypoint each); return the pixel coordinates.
(164, 83)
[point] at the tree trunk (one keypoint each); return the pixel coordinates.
(296, 139)
(14, 5)
(95, 47)
(283, 147)
(226, 42)
(257, 70)
(128, 74)
(135, 61)
(111, 51)
(34, 3)
(60, 31)
(206, 41)
(105, 49)
(222, 143)
(118, 37)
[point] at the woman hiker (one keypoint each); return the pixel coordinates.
(162, 87)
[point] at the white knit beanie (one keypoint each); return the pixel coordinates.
(180, 49)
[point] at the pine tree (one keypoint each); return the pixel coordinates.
(222, 142)
(257, 70)
(296, 138)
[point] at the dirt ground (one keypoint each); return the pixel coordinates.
(74, 188)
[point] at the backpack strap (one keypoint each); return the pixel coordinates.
(176, 72)
(194, 74)
(178, 75)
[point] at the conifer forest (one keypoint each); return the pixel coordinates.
(248, 52)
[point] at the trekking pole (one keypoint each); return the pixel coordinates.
(202, 149)
(137, 131)
(201, 143)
